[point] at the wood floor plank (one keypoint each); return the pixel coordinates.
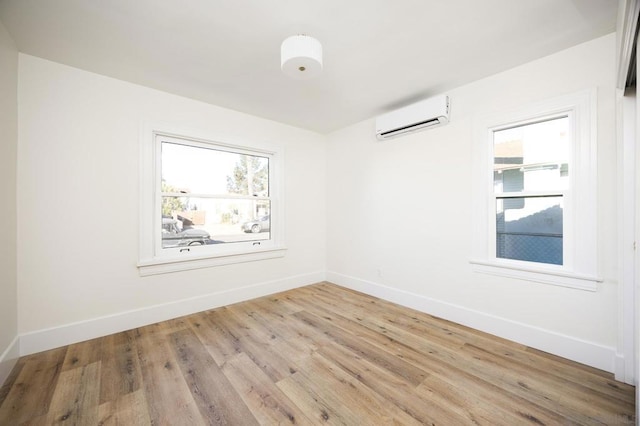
(127, 409)
(553, 393)
(316, 355)
(550, 364)
(31, 394)
(11, 379)
(282, 302)
(217, 400)
(393, 388)
(318, 411)
(120, 371)
(573, 365)
(603, 389)
(469, 396)
(390, 312)
(457, 334)
(430, 356)
(168, 397)
(221, 343)
(581, 374)
(266, 401)
(76, 397)
(296, 332)
(323, 408)
(366, 403)
(259, 349)
(395, 313)
(266, 331)
(36, 421)
(366, 350)
(82, 354)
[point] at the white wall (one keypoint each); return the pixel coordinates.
(78, 168)
(8, 216)
(400, 217)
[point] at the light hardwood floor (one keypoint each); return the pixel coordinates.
(315, 355)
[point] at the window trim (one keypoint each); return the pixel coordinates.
(580, 240)
(154, 261)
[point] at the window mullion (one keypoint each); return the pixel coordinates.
(218, 196)
(529, 194)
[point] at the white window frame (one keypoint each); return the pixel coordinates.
(153, 259)
(579, 269)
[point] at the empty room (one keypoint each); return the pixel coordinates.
(348, 213)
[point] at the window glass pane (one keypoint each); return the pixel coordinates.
(190, 169)
(532, 157)
(189, 221)
(529, 229)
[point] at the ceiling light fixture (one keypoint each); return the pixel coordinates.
(301, 57)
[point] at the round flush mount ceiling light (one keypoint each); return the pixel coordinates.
(301, 57)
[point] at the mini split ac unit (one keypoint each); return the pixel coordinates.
(419, 116)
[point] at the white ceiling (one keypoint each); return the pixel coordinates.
(378, 54)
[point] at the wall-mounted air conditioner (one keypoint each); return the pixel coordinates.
(421, 115)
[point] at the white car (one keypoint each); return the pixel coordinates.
(261, 224)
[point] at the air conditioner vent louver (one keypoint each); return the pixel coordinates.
(421, 115)
(426, 123)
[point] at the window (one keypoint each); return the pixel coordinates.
(207, 203)
(531, 179)
(536, 204)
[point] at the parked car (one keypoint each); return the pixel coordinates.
(172, 236)
(261, 224)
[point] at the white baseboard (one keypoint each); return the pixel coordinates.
(624, 371)
(9, 358)
(589, 353)
(41, 340)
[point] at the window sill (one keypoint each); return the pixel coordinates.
(176, 264)
(541, 275)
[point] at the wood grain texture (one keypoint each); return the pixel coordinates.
(311, 356)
